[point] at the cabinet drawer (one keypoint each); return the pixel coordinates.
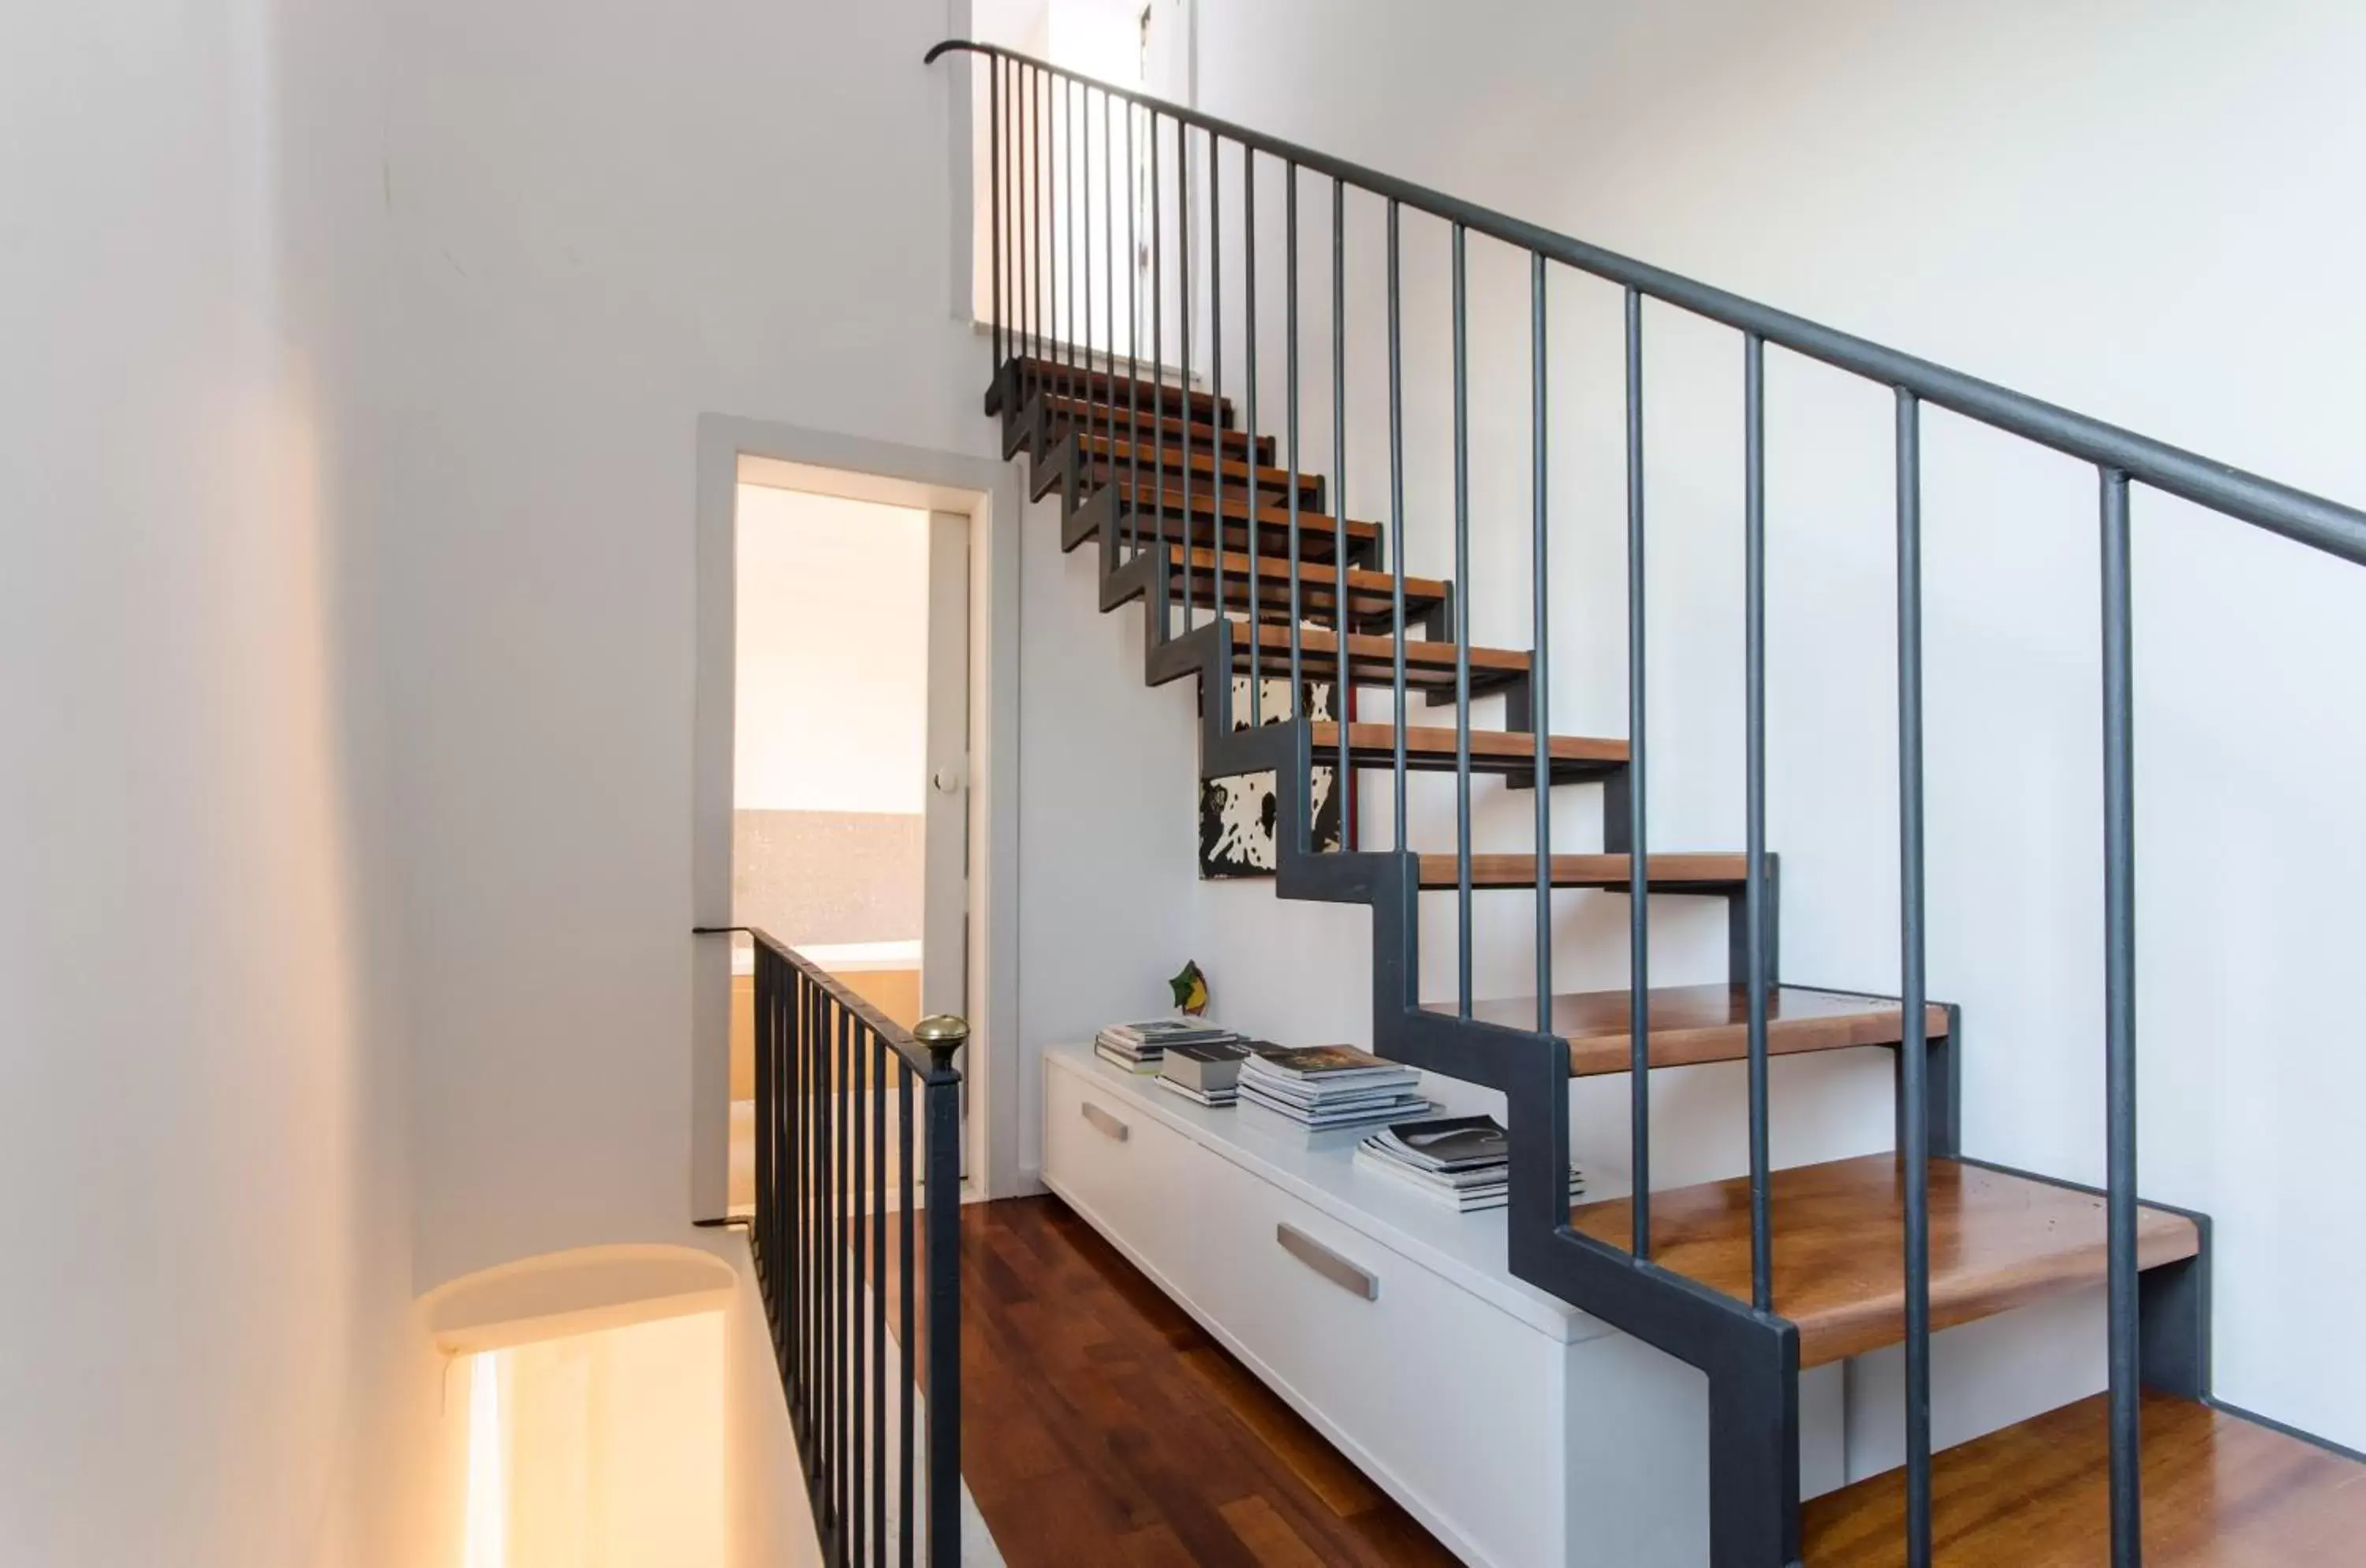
(1455, 1406)
(1120, 1169)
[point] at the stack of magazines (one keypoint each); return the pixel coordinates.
(1461, 1163)
(1139, 1047)
(1324, 1087)
(1210, 1074)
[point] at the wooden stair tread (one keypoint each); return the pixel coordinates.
(1106, 388)
(1719, 872)
(1154, 458)
(1084, 414)
(1427, 664)
(1372, 601)
(1693, 1024)
(1313, 527)
(1434, 740)
(2219, 1492)
(1997, 1242)
(1420, 591)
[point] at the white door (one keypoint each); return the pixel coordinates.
(944, 920)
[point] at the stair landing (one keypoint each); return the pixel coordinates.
(2219, 1492)
(1997, 1242)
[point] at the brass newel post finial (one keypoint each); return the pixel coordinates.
(941, 1034)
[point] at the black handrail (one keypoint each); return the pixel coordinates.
(2296, 513)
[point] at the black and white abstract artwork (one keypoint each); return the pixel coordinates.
(1237, 815)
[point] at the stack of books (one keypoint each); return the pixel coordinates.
(1320, 1087)
(1140, 1048)
(1461, 1163)
(1210, 1074)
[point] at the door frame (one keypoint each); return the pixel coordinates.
(827, 462)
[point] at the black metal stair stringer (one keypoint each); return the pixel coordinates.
(1750, 1359)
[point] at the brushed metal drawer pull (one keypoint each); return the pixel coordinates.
(1330, 1265)
(1109, 1125)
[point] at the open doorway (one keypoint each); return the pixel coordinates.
(969, 947)
(850, 743)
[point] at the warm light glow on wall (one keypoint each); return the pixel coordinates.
(603, 1450)
(489, 1525)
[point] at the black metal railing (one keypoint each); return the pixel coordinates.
(856, 1233)
(1034, 207)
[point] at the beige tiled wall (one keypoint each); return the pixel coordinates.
(827, 876)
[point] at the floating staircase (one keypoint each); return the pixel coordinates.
(1244, 564)
(1999, 1240)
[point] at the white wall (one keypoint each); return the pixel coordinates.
(608, 223)
(2075, 202)
(206, 1356)
(833, 685)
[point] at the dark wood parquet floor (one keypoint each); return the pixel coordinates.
(1102, 1426)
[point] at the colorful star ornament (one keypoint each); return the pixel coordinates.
(1191, 989)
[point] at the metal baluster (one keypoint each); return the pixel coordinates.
(818, 1048)
(1108, 278)
(1014, 204)
(811, 1144)
(1072, 250)
(843, 1265)
(1343, 693)
(1133, 349)
(802, 1134)
(1462, 624)
(787, 1239)
(1158, 400)
(1216, 602)
(788, 1227)
(882, 1055)
(1290, 331)
(1541, 694)
(1183, 249)
(1057, 281)
(908, 1340)
(1914, 1047)
(2119, 1021)
(769, 1266)
(1396, 520)
(1753, 420)
(993, 203)
(858, 1278)
(1253, 590)
(1638, 867)
(1039, 210)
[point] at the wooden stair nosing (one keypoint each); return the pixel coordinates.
(1093, 385)
(2219, 1492)
(1710, 872)
(1694, 1024)
(1997, 1241)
